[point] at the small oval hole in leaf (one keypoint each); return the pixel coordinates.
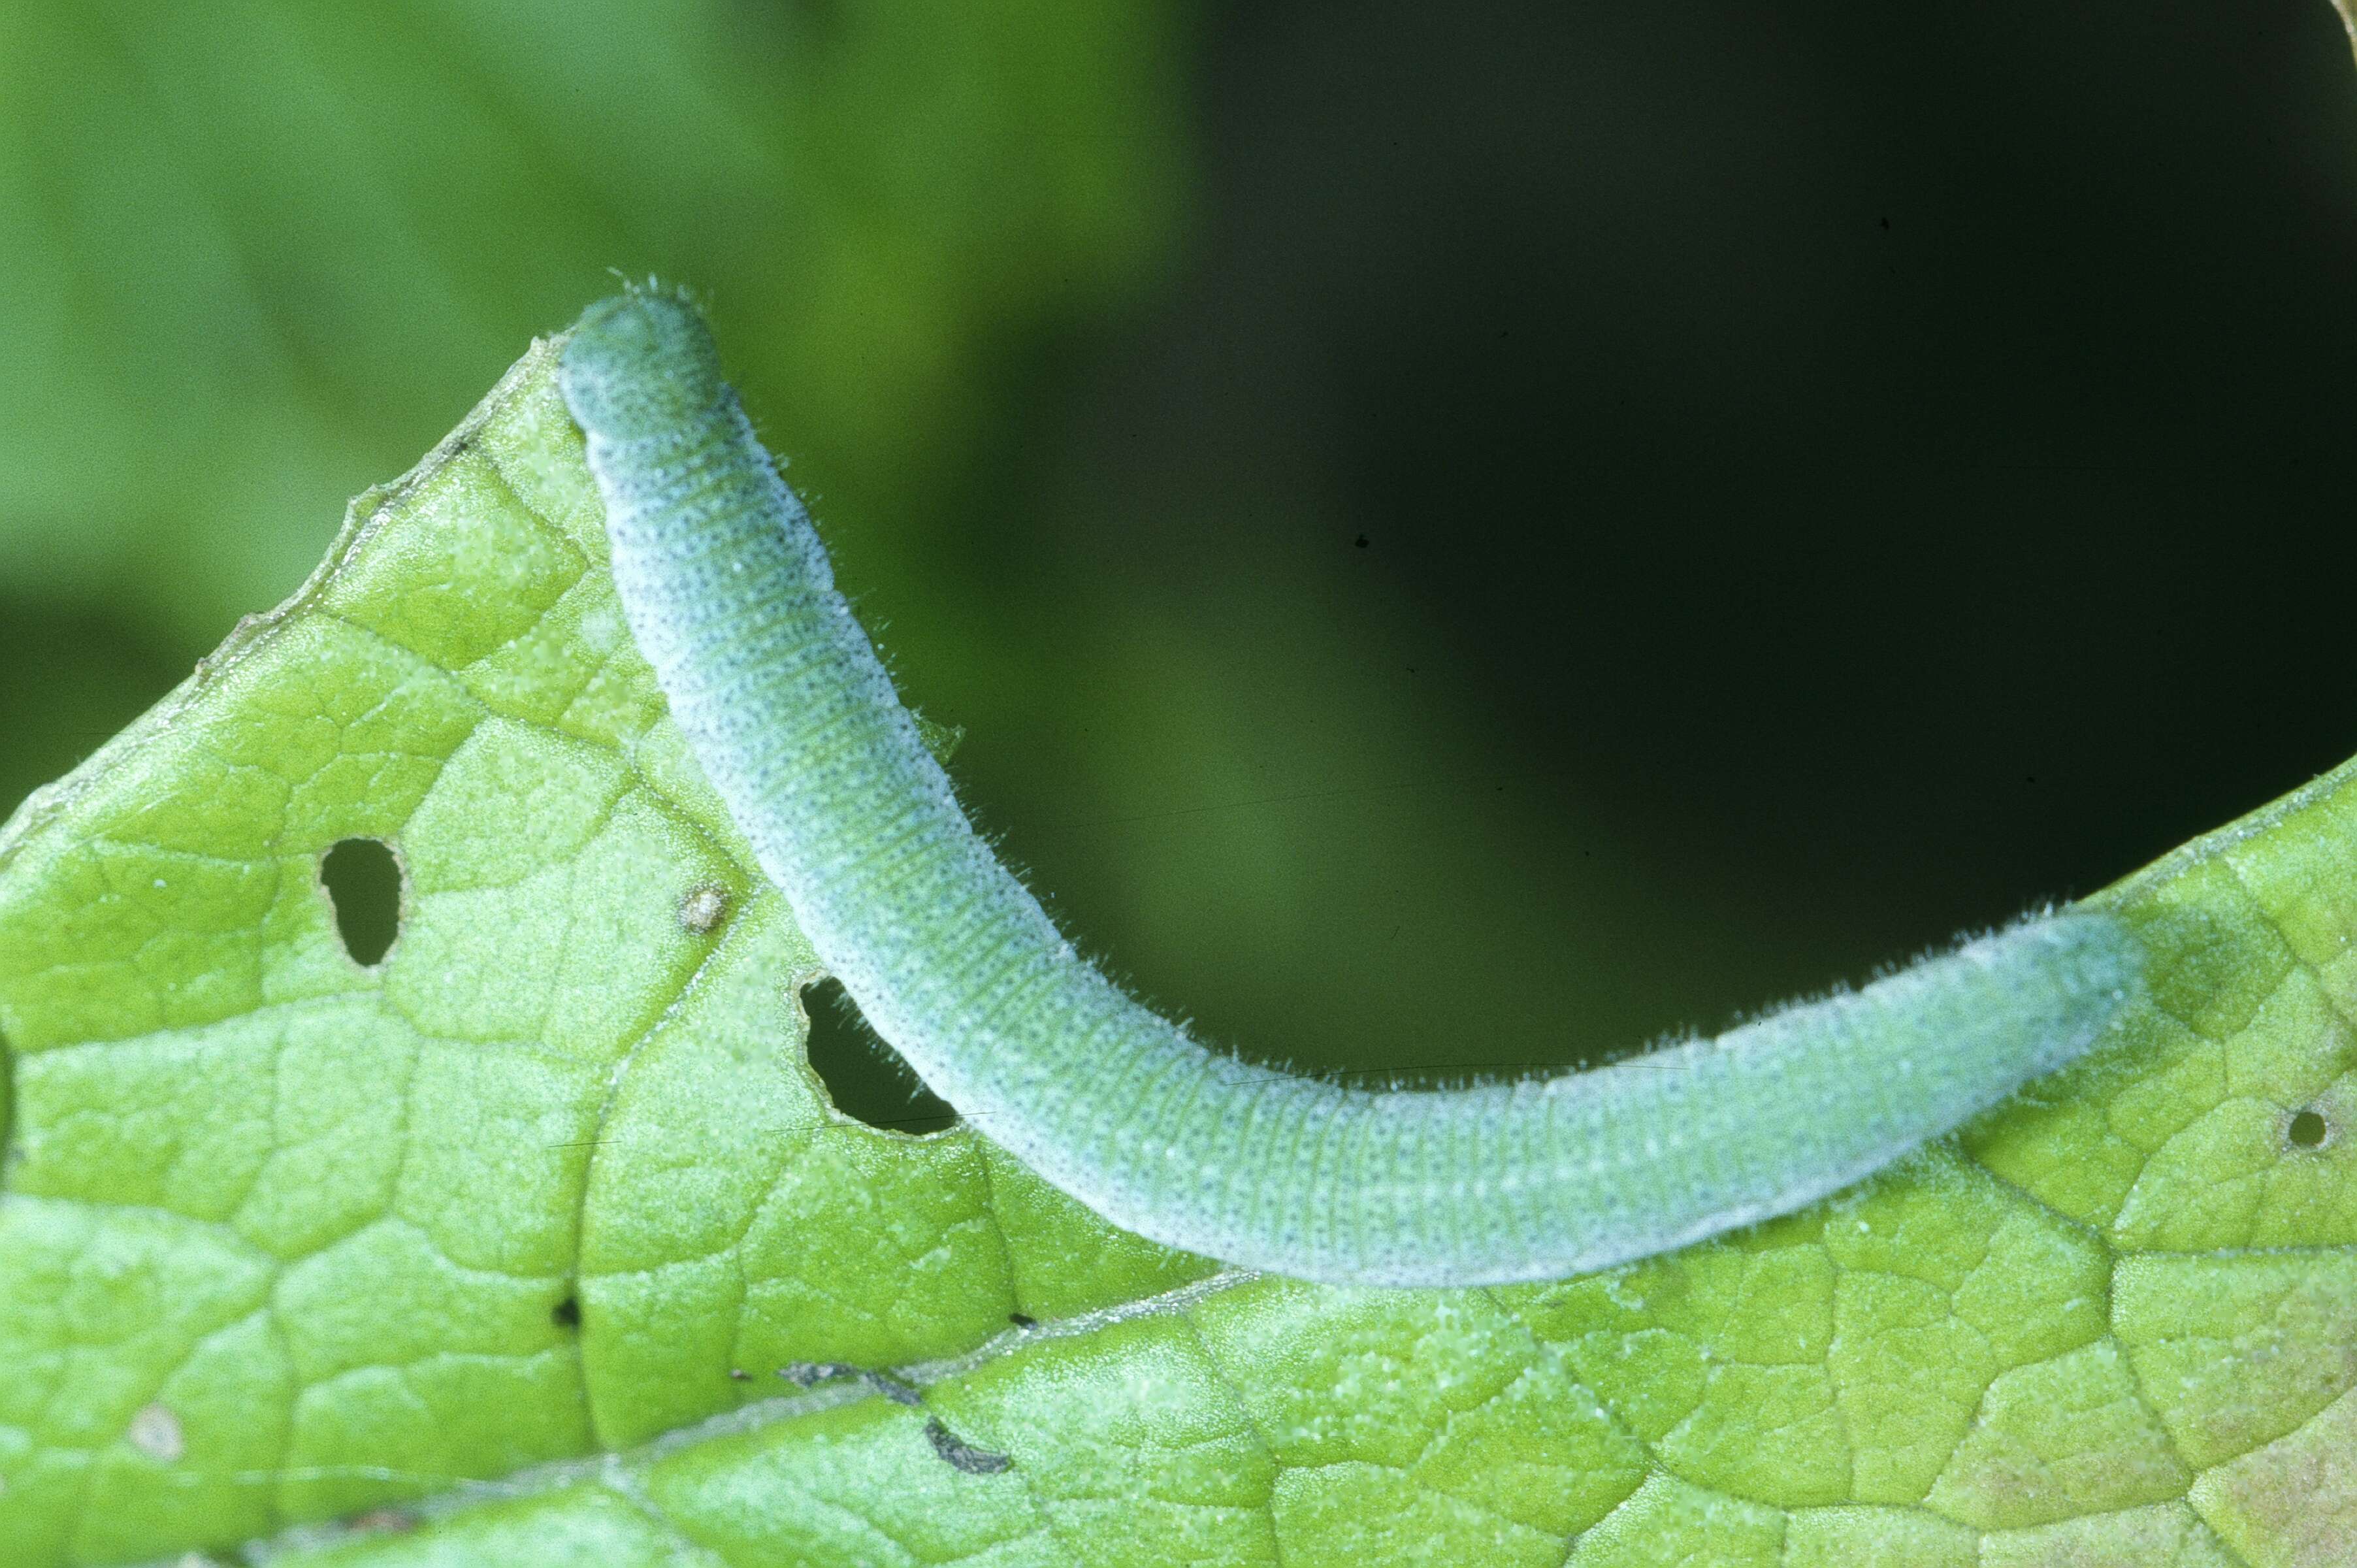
(2306, 1130)
(362, 877)
(864, 1077)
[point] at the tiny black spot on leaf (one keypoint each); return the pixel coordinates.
(566, 1314)
(362, 877)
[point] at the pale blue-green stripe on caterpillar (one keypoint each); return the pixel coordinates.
(793, 716)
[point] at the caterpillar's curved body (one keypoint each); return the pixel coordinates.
(795, 721)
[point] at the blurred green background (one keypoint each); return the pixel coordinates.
(1458, 534)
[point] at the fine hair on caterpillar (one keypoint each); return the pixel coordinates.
(794, 720)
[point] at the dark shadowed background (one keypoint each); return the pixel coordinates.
(1458, 534)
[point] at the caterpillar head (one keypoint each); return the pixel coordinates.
(641, 366)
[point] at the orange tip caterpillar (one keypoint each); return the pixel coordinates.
(790, 712)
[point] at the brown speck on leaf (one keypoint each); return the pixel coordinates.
(704, 908)
(739, 1375)
(383, 1521)
(155, 1432)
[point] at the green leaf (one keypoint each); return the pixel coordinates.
(511, 1233)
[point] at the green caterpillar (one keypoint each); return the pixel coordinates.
(793, 718)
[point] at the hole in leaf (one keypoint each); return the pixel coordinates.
(864, 1077)
(362, 877)
(2307, 1130)
(566, 1314)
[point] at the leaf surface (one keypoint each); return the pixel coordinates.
(492, 1252)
